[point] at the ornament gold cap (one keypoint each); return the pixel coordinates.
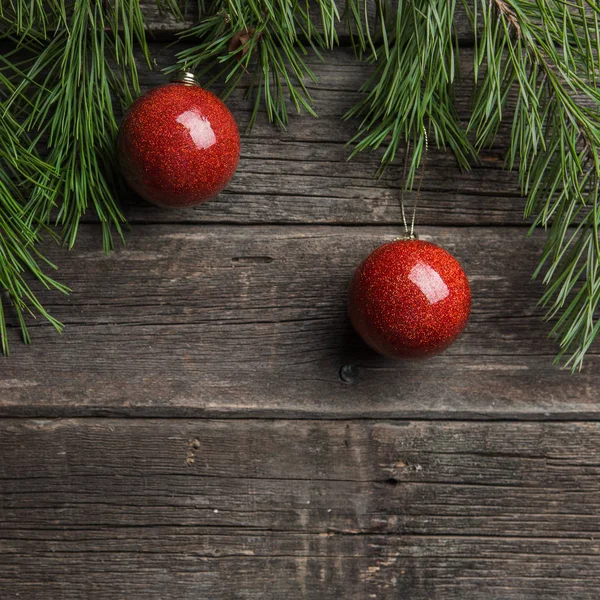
(185, 77)
(407, 237)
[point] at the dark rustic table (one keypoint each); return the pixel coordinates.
(210, 427)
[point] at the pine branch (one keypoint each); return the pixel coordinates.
(548, 53)
(412, 88)
(265, 40)
(20, 170)
(70, 61)
(72, 83)
(34, 17)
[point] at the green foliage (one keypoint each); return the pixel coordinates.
(72, 82)
(544, 57)
(412, 88)
(266, 39)
(72, 62)
(20, 169)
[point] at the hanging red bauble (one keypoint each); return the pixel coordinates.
(409, 299)
(178, 145)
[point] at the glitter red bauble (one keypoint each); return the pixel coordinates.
(409, 299)
(178, 145)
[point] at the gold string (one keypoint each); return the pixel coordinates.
(410, 232)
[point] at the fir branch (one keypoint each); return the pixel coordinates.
(412, 88)
(267, 40)
(20, 170)
(72, 83)
(70, 60)
(76, 57)
(548, 53)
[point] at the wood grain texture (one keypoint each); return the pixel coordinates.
(223, 510)
(237, 309)
(302, 175)
(228, 320)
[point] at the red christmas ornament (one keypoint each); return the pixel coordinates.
(409, 299)
(178, 145)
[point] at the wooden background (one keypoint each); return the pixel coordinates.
(210, 427)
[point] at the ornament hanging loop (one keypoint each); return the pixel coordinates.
(185, 77)
(410, 231)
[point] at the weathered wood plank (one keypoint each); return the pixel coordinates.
(229, 320)
(302, 175)
(360, 509)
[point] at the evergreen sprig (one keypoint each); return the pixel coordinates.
(20, 170)
(73, 82)
(412, 89)
(266, 39)
(71, 68)
(544, 57)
